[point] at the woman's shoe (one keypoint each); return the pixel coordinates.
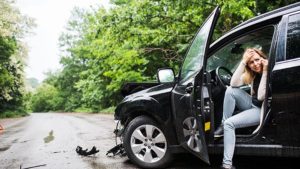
(219, 132)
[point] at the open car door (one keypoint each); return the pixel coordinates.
(187, 94)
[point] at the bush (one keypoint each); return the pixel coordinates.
(9, 114)
(46, 98)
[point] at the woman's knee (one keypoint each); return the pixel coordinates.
(233, 91)
(229, 91)
(228, 125)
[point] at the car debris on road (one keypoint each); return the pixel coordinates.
(85, 152)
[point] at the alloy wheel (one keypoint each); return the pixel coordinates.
(191, 134)
(148, 143)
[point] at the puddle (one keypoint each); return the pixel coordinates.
(49, 138)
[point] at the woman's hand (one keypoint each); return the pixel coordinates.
(264, 63)
(247, 55)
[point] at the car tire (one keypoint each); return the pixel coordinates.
(146, 144)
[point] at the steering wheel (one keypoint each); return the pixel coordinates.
(224, 76)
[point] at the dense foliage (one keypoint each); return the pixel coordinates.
(102, 49)
(13, 26)
(46, 98)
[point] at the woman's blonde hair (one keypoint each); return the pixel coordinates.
(248, 74)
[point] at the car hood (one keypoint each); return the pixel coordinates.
(152, 91)
(134, 87)
(156, 95)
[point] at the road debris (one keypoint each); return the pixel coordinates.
(116, 150)
(42, 165)
(86, 152)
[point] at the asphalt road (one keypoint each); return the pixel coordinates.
(49, 140)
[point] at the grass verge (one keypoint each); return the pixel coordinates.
(11, 114)
(109, 110)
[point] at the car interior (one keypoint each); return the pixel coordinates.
(221, 65)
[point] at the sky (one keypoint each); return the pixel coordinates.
(51, 17)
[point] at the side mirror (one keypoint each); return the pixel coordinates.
(165, 75)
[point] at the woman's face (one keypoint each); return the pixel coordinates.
(255, 63)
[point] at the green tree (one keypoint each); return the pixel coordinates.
(32, 82)
(103, 49)
(46, 98)
(13, 27)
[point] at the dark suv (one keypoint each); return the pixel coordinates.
(179, 114)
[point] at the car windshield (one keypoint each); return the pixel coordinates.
(231, 55)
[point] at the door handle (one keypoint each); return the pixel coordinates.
(189, 89)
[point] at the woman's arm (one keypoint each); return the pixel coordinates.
(236, 79)
(261, 93)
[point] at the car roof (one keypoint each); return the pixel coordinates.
(275, 14)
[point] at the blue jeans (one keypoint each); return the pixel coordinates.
(250, 116)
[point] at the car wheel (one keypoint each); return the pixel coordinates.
(146, 144)
(191, 134)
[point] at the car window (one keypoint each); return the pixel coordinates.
(230, 55)
(293, 37)
(194, 58)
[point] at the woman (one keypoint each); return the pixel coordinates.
(252, 70)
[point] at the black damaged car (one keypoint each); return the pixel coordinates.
(180, 113)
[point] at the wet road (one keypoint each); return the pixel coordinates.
(49, 140)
